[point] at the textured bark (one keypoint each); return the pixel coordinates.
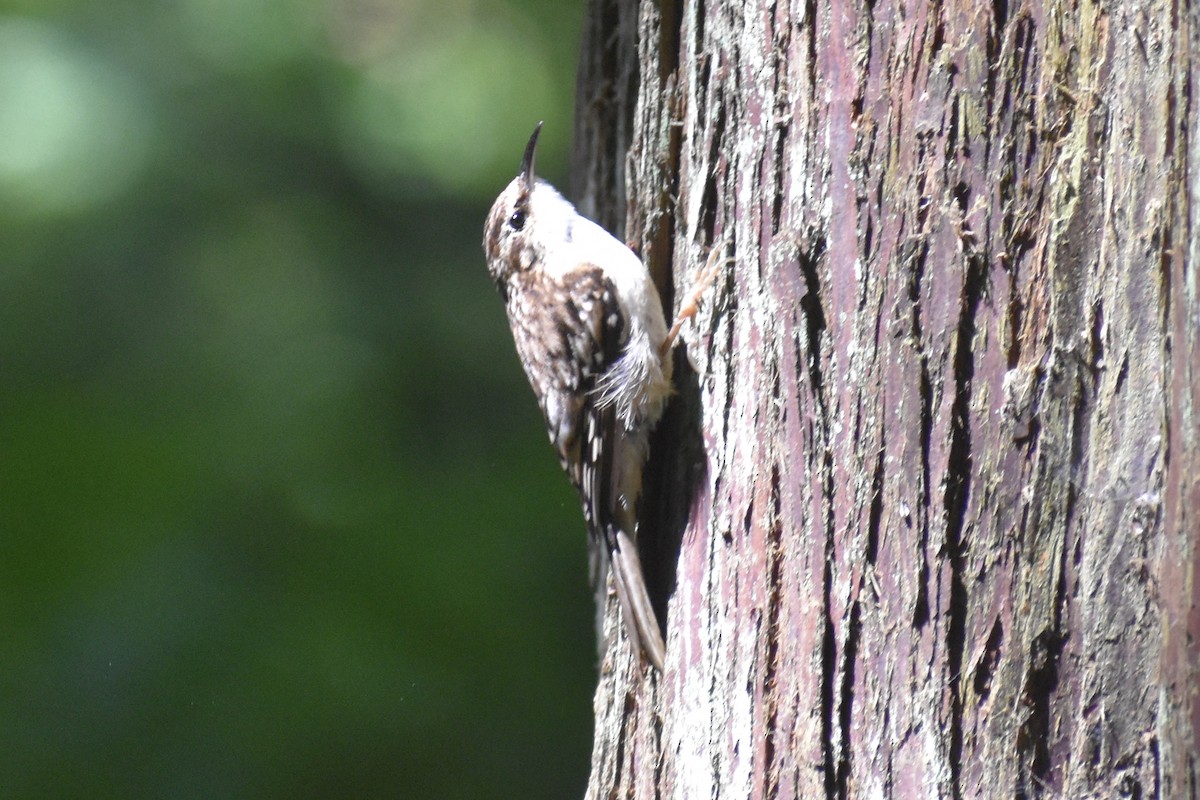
(927, 509)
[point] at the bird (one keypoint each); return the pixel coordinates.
(590, 332)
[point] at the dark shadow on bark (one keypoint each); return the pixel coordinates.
(675, 468)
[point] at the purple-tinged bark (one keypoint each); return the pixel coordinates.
(928, 501)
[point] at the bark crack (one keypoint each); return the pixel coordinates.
(815, 325)
(846, 700)
(774, 606)
(957, 498)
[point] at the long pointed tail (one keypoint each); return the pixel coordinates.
(640, 620)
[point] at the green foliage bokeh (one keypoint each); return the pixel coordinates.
(278, 517)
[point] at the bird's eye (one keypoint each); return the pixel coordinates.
(517, 220)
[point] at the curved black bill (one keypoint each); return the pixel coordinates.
(527, 162)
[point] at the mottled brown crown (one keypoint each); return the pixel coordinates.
(510, 240)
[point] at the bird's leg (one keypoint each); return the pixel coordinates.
(692, 304)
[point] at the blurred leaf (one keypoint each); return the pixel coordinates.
(73, 132)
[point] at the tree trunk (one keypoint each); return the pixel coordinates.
(927, 508)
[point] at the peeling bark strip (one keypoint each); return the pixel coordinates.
(928, 507)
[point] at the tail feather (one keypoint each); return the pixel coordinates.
(640, 620)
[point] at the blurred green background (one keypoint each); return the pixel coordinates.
(278, 515)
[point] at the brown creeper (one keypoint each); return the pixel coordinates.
(589, 330)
